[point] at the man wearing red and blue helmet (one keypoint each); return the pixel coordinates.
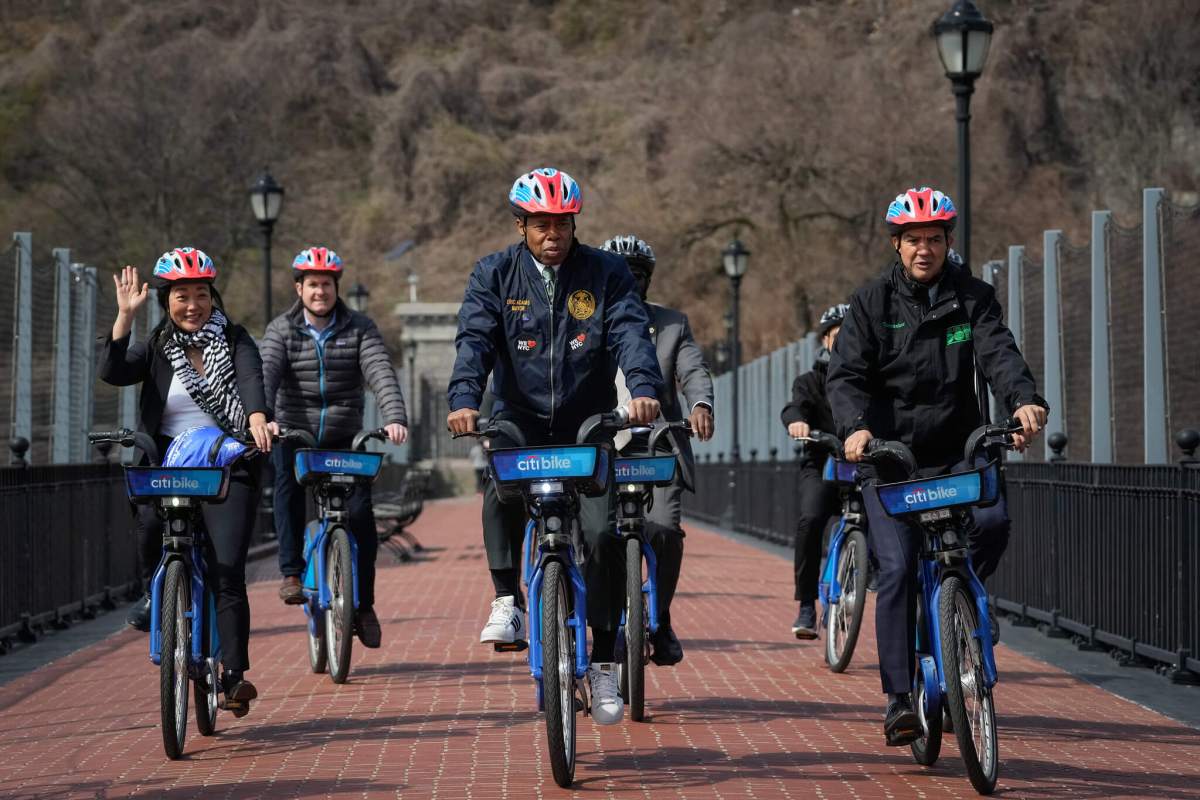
(317, 358)
(903, 368)
(551, 320)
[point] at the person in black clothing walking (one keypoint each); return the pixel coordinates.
(809, 411)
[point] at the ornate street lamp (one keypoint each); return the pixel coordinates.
(266, 200)
(357, 298)
(963, 37)
(734, 260)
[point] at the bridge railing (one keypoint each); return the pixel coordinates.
(1108, 554)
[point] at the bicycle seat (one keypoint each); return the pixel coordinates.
(336, 466)
(839, 471)
(147, 484)
(546, 470)
(977, 487)
(654, 470)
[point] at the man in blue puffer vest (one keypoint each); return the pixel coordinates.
(317, 356)
(551, 320)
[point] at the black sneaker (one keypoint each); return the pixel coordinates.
(366, 625)
(805, 626)
(138, 617)
(901, 725)
(667, 651)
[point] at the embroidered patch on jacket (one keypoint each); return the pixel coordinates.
(578, 341)
(581, 304)
(526, 345)
(893, 325)
(957, 334)
(516, 305)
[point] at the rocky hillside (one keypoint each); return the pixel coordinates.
(128, 126)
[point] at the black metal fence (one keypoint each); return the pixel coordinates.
(65, 544)
(1108, 554)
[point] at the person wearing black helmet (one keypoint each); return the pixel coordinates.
(809, 411)
(683, 369)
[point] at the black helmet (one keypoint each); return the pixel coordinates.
(634, 249)
(832, 318)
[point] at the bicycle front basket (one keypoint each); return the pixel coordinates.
(839, 471)
(586, 466)
(146, 484)
(657, 470)
(944, 491)
(352, 464)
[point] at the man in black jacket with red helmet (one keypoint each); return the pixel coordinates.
(903, 369)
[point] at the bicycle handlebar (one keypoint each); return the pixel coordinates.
(826, 440)
(660, 428)
(127, 438)
(494, 428)
(991, 436)
(362, 437)
(898, 453)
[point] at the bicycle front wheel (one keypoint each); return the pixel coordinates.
(175, 641)
(204, 690)
(339, 618)
(314, 632)
(558, 672)
(843, 619)
(968, 697)
(635, 632)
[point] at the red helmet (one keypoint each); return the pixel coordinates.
(545, 191)
(183, 264)
(316, 259)
(922, 206)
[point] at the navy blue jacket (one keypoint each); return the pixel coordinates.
(556, 366)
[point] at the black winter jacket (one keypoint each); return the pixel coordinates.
(810, 404)
(319, 387)
(905, 371)
(556, 365)
(125, 364)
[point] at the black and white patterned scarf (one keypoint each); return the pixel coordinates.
(215, 392)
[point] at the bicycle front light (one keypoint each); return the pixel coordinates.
(553, 524)
(547, 487)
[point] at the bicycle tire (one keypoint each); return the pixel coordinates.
(558, 672)
(339, 618)
(635, 631)
(974, 726)
(318, 658)
(928, 748)
(205, 691)
(173, 659)
(843, 619)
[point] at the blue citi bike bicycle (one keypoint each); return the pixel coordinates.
(636, 477)
(183, 632)
(549, 480)
(956, 669)
(843, 585)
(330, 582)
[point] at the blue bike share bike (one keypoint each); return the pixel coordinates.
(843, 585)
(636, 477)
(183, 630)
(330, 581)
(550, 479)
(956, 669)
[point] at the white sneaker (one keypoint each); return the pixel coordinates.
(607, 705)
(506, 623)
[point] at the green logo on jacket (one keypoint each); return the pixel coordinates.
(957, 334)
(893, 325)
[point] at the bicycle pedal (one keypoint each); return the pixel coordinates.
(510, 647)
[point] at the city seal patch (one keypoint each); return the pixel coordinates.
(581, 304)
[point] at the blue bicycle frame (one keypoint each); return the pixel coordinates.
(316, 589)
(201, 599)
(845, 476)
(534, 572)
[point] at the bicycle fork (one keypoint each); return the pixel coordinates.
(576, 621)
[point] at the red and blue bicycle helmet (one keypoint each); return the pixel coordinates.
(545, 191)
(321, 260)
(181, 265)
(917, 207)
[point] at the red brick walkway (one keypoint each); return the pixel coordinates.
(750, 713)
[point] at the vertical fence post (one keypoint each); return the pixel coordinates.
(22, 377)
(60, 452)
(989, 276)
(1102, 429)
(1052, 338)
(1016, 317)
(1154, 396)
(84, 356)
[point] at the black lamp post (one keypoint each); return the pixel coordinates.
(410, 350)
(734, 259)
(963, 36)
(357, 298)
(266, 199)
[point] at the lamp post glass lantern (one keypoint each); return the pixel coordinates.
(266, 201)
(963, 36)
(734, 260)
(357, 298)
